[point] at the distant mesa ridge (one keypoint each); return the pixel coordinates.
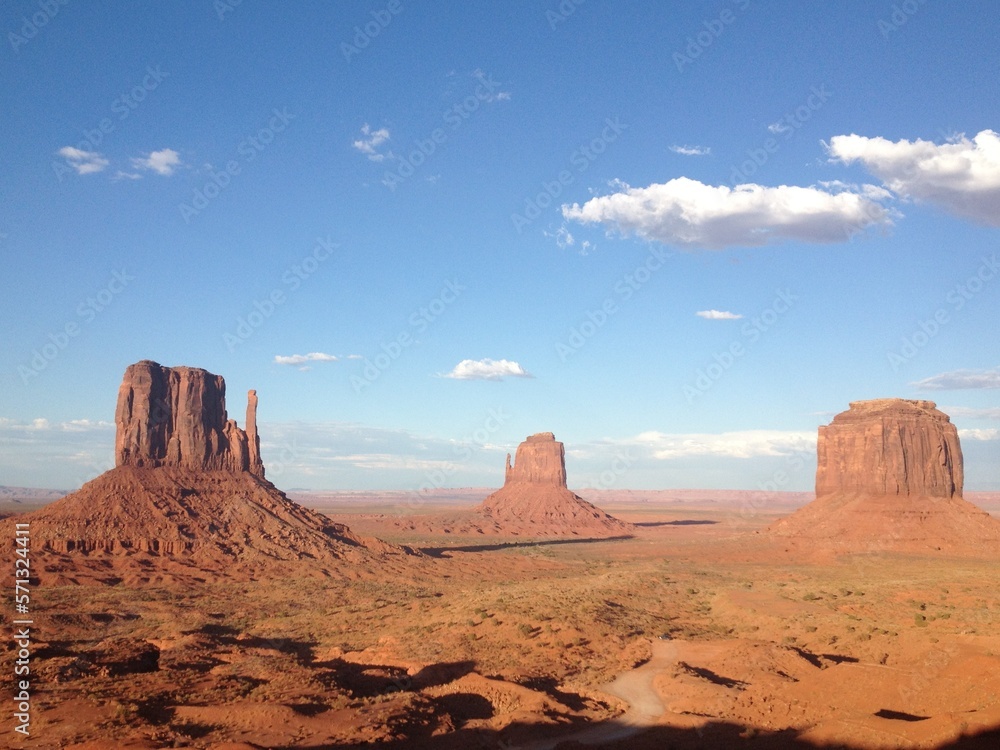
(176, 416)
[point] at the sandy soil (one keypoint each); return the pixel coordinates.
(692, 633)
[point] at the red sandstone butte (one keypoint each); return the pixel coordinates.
(889, 478)
(176, 416)
(188, 500)
(534, 498)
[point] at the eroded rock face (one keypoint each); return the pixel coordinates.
(534, 499)
(541, 459)
(890, 446)
(176, 416)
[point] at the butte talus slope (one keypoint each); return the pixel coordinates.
(889, 477)
(535, 500)
(188, 499)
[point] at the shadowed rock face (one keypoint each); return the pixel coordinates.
(890, 446)
(541, 459)
(176, 416)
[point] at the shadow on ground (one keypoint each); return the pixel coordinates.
(441, 551)
(715, 735)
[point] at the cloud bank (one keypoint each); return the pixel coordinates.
(961, 176)
(691, 214)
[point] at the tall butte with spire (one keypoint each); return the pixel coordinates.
(889, 476)
(176, 416)
(534, 499)
(188, 497)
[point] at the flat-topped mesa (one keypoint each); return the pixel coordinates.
(176, 416)
(541, 459)
(890, 446)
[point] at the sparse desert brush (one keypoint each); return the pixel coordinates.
(810, 597)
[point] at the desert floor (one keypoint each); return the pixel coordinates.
(693, 633)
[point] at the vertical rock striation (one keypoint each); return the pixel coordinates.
(176, 416)
(890, 446)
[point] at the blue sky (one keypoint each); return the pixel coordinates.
(680, 236)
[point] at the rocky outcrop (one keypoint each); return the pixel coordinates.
(889, 478)
(541, 459)
(188, 500)
(890, 446)
(176, 416)
(534, 499)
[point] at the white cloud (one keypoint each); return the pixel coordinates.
(742, 444)
(84, 162)
(962, 176)
(718, 315)
(957, 380)
(691, 150)
(971, 413)
(487, 369)
(692, 214)
(163, 162)
(991, 433)
(778, 127)
(301, 360)
(369, 144)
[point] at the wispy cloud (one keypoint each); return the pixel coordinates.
(691, 150)
(163, 162)
(718, 315)
(962, 176)
(84, 162)
(742, 444)
(692, 214)
(301, 361)
(990, 433)
(487, 369)
(967, 412)
(370, 142)
(960, 380)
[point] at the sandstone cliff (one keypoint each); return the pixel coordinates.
(176, 416)
(890, 446)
